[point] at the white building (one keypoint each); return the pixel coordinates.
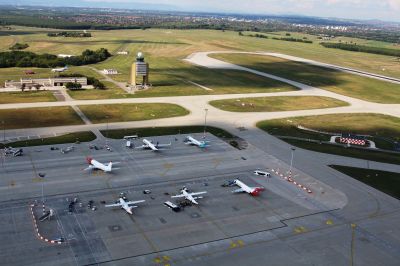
(49, 82)
(64, 55)
(110, 71)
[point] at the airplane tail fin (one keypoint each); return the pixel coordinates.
(89, 160)
(109, 166)
(257, 191)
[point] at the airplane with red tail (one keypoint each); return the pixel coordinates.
(95, 165)
(254, 191)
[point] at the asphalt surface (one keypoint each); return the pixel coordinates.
(284, 226)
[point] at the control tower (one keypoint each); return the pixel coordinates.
(140, 71)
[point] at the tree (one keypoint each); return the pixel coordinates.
(73, 86)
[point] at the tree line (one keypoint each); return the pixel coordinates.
(291, 39)
(362, 48)
(97, 84)
(19, 46)
(69, 34)
(30, 59)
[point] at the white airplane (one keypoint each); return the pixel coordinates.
(199, 143)
(148, 144)
(125, 204)
(254, 191)
(61, 69)
(93, 165)
(190, 196)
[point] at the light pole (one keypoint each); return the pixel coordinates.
(205, 122)
(107, 132)
(4, 131)
(291, 161)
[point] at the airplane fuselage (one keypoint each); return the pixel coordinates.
(97, 165)
(254, 191)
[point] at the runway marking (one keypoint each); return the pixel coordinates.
(236, 244)
(300, 229)
(164, 260)
(97, 173)
(167, 167)
(37, 179)
(217, 162)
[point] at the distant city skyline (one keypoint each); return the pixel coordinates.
(386, 10)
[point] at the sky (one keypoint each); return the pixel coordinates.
(387, 10)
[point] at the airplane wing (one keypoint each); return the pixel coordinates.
(134, 202)
(239, 190)
(164, 145)
(90, 167)
(198, 193)
(113, 205)
(178, 196)
(154, 148)
(141, 147)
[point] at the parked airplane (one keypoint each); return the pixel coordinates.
(254, 191)
(93, 165)
(61, 69)
(199, 143)
(125, 204)
(190, 196)
(148, 144)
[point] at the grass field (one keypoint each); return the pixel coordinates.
(370, 155)
(111, 92)
(164, 50)
(39, 117)
(84, 136)
(387, 182)
(167, 43)
(131, 112)
(171, 77)
(162, 131)
(26, 97)
(324, 78)
(367, 124)
(276, 104)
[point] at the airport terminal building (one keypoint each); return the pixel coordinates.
(46, 82)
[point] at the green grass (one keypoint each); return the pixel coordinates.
(111, 92)
(169, 77)
(26, 97)
(377, 156)
(84, 136)
(387, 182)
(367, 124)
(336, 81)
(39, 117)
(164, 49)
(162, 131)
(131, 112)
(276, 104)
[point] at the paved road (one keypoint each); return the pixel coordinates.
(202, 59)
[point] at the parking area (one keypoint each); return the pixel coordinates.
(221, 219)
